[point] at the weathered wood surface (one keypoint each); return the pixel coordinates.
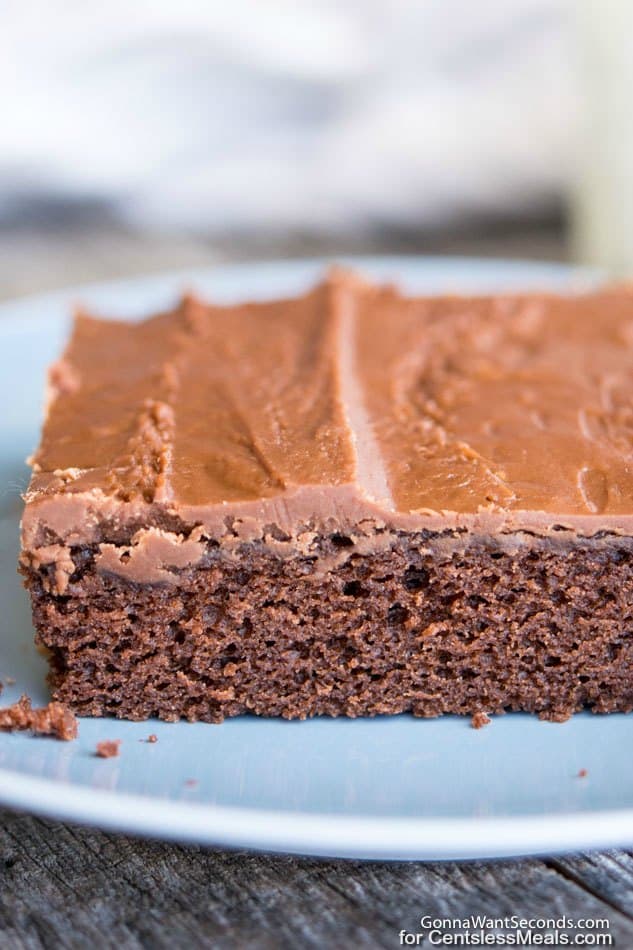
(67, 887)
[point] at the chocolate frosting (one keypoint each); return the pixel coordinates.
(349, 406)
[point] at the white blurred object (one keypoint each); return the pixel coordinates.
(283, 114)
(603, 198)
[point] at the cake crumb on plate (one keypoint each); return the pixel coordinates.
(54, 719)
(108, 749)
(479, 720)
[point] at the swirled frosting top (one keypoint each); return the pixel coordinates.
(348, 403)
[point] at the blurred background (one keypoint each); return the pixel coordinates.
(137, 137)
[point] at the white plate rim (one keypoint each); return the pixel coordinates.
(318, 834)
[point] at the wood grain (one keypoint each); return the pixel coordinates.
(62, 886)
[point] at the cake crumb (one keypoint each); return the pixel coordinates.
(583, 773)
(54, 719)
(479, 720)
(152, 738)
(108, 749)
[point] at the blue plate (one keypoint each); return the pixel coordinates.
(385, 788)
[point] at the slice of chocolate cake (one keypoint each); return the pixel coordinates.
(345, 504)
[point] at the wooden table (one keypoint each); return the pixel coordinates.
(64, 886)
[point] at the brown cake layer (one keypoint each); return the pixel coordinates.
(349, 503)
(429, 624)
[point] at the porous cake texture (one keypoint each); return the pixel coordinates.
(349, 503)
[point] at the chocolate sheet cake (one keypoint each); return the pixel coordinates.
(346, 504)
